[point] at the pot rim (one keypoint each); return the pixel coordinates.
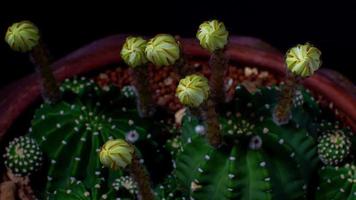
(19, 95)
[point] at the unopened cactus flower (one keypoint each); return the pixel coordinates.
(333, 147)
(193, 90)
(133, 51)
(162, 50)
(303, 60)
(212, 35)
(116, 154)
(23, 156)
(22, 36)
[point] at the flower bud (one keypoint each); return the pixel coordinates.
(162, 50)
(193, 90)
(116, 154)
(133, 51)
(303, 60)
(22, 36)
(212, 35)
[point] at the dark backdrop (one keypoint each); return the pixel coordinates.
(65, 27)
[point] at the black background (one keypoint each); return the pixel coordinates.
(65, 27)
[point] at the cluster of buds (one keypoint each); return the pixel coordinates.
(161, 50)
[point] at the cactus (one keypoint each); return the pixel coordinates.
(77, 190)
(239, 171)
(333, 147)
(72, 131)
(337, 183)
(270, 143)
(23, 156)
(169, 190)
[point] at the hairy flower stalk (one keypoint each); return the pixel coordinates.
(213, 36)
(117, 154)
(219, 64)
(193, 91)
(145, 104)
(210, 118)
(302, 61)
(24, 36)
(282, 111)
(50, 89)
(133, 54)
(140, 175)
(181, 66)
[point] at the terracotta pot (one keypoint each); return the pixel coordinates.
(18, 96)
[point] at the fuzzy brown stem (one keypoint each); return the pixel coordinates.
(144, 98)
(282, 111)
(211, 121)
(50, 90)
(218, 63)
(141, 177)
(182, 67)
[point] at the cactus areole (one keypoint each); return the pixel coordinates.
(95, 143)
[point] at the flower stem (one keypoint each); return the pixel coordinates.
(219, 64)
(282, 111)
(140, 175)
(211, 120)
(50, 90)
(144, 99)
(182, 67)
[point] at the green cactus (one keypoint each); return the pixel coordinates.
(259, 159)
(72, 131)
(169, 190)
(337, 183)
(23, 156)
(333, 147)
(77, 190)
(79, 86)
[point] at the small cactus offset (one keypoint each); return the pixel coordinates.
(271, 142)
(23, 156)
(333, 147)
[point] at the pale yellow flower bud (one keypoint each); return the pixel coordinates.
(193, 90)
(116, 154)
(22, 36)
(303, 60)
(133, 51)
(162, 50)
(212, 35)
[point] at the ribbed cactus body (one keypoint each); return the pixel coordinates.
(72, 131)
(337, 183)
(77, 190)
(280, 167)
